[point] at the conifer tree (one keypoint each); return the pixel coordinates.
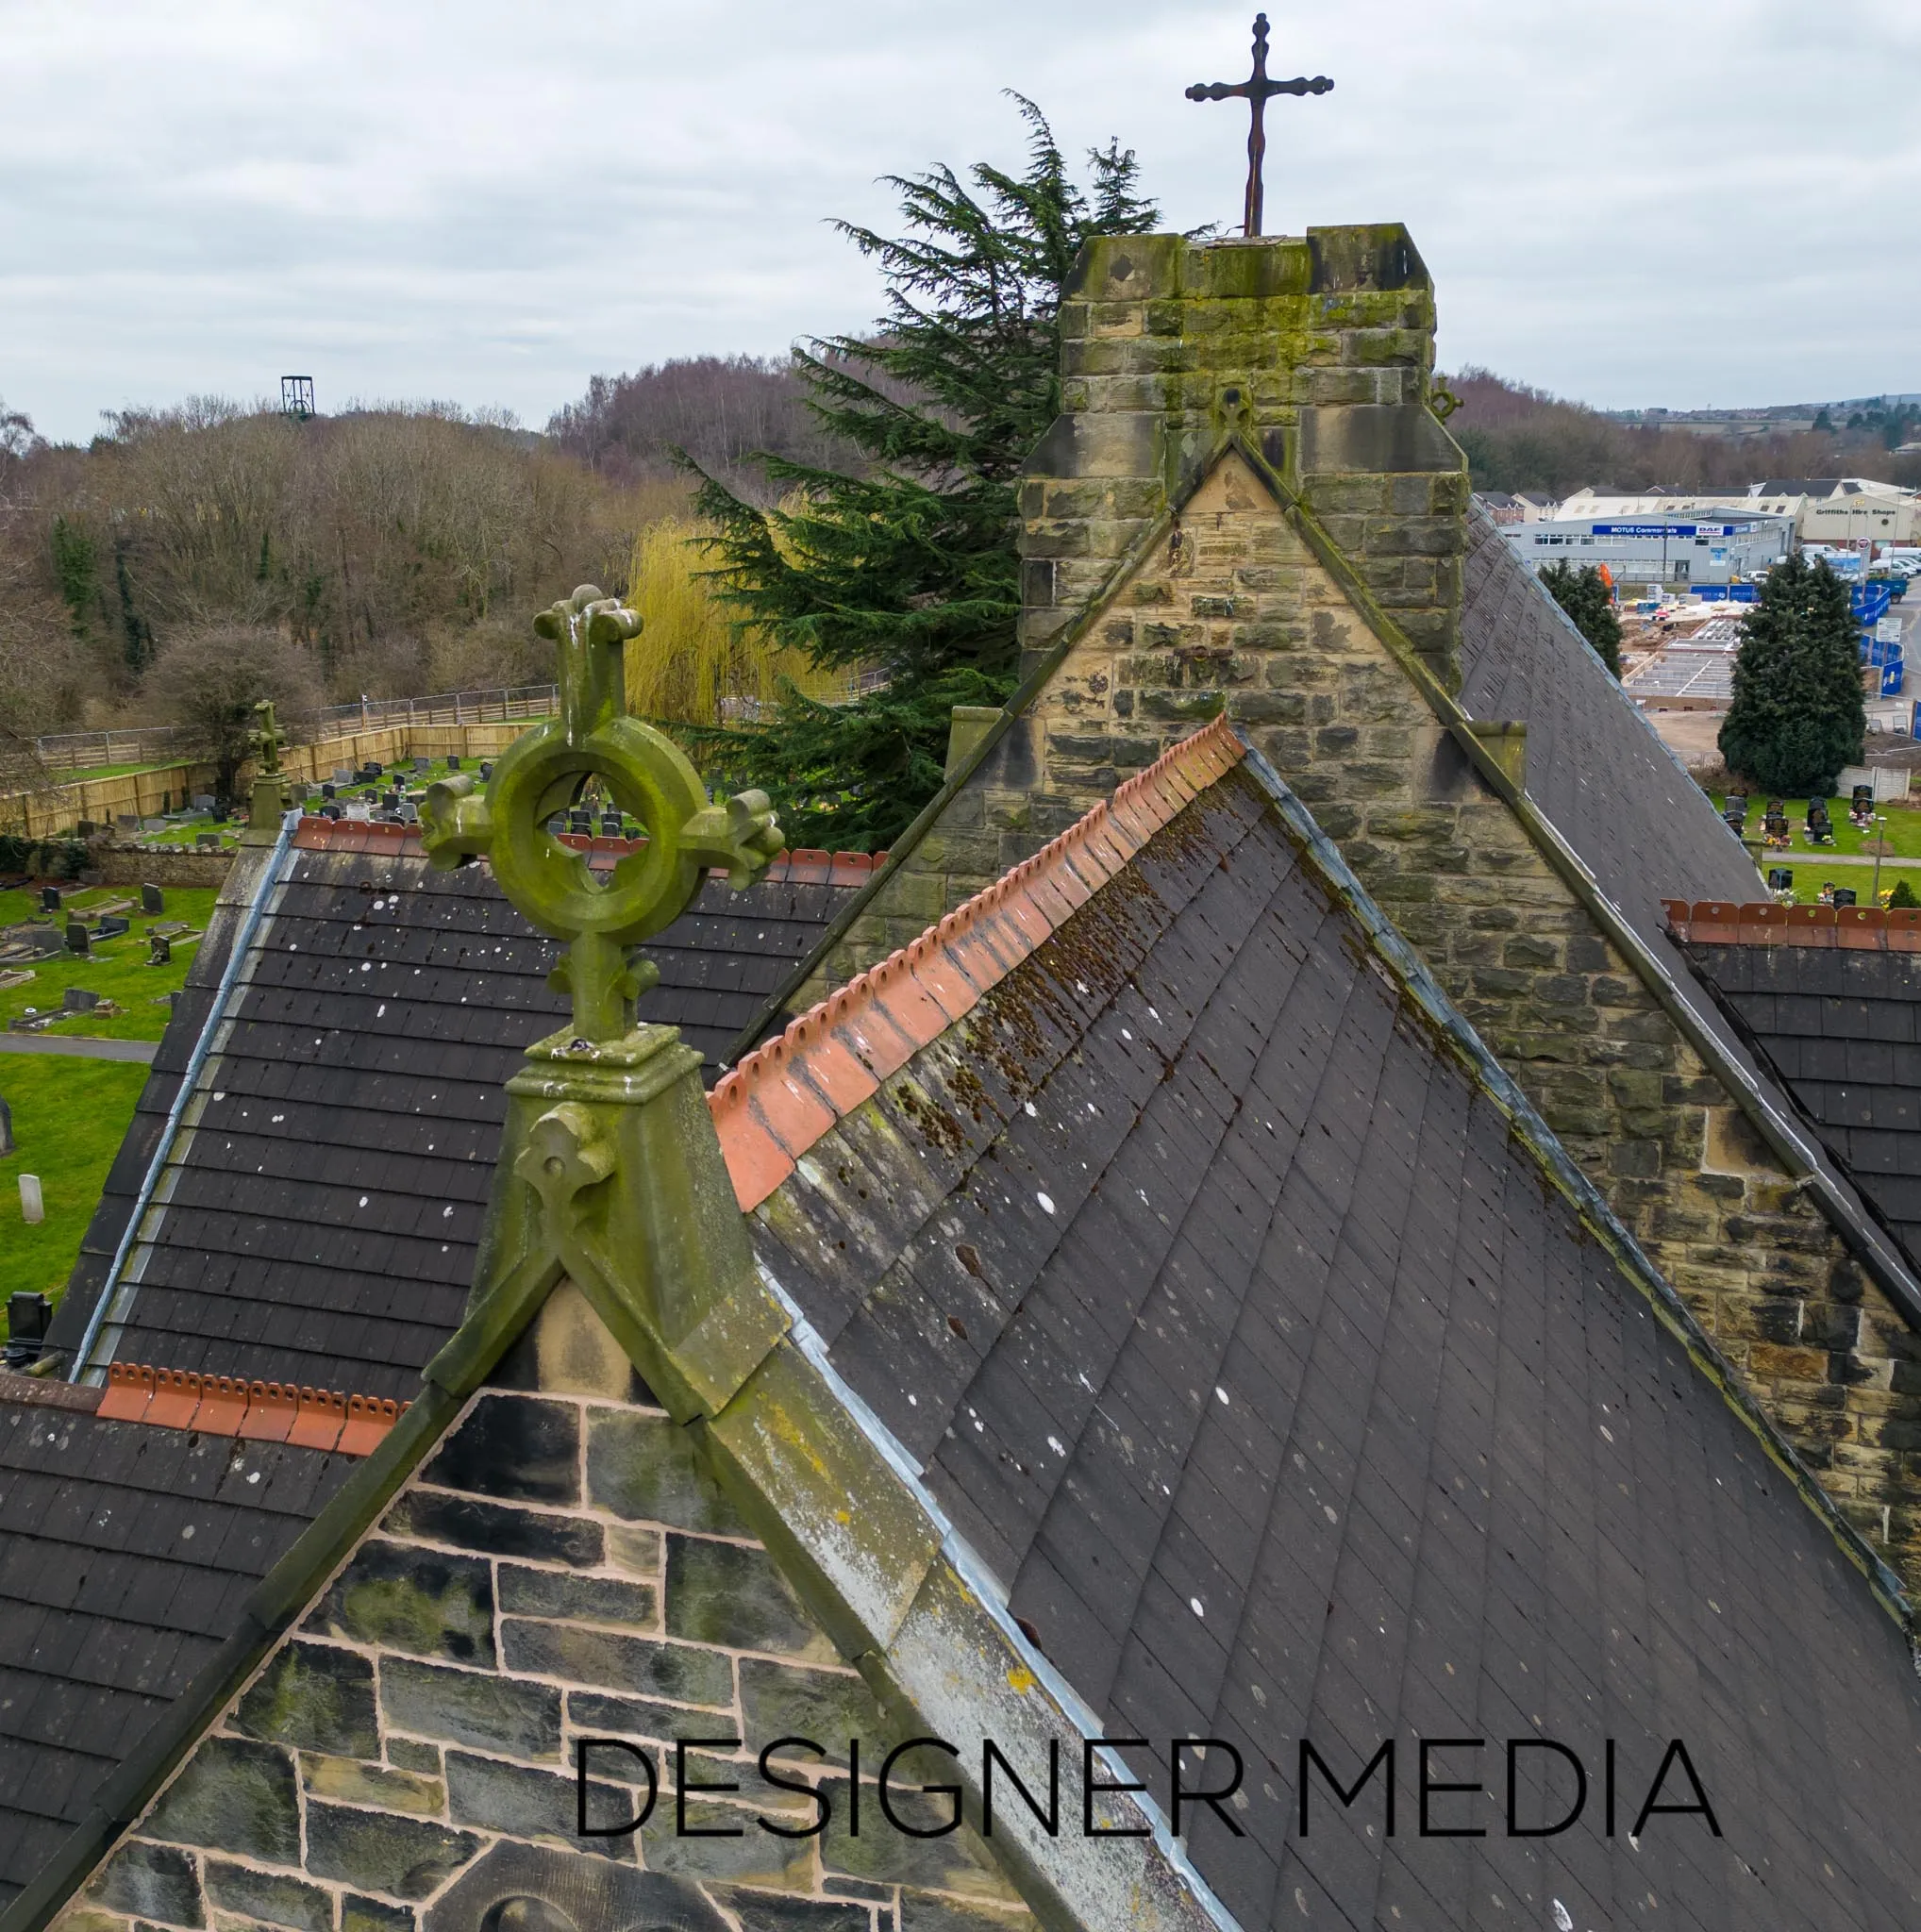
(1796, 717)
(1584, 595)
(906, 566)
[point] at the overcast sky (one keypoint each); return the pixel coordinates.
(1677, 202)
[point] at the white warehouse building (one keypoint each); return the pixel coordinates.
(1663, 552)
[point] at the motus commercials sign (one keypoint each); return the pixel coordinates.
(1426, 1787)
(1665, 530)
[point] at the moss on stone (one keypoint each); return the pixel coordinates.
(423, 1602)
(316, 1696)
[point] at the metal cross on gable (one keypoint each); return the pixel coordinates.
(545, 771)
(1257, 89)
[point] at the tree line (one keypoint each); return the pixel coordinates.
(1516, 436)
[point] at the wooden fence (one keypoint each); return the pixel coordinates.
(58, 808)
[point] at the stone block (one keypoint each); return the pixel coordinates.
(646, 1468)
(927, 1911)
(955, 1863)
(601, 1714)
(605, 1660)
(151, 1881)
(495, 1528)
(270, 1897)
(371, 1915)
(745, 1854)
(515, 1798)
(350, 1782)
(405, 1858)
(316, 1696)
(829, 1708)
(410, 1754)
(728, 1593)
(760, 1912)
(578, 1599)
(426, 1603)
(515, 1447)
(233, 1795)
(469, 1707)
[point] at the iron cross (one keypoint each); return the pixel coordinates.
(1257, 89)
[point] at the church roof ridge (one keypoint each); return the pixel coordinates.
(780, 1099)
(1764, 923)
(257, 1411)
(801, 866)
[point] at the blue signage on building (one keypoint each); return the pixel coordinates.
(1665, 530)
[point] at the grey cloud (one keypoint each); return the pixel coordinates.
(1636, 203)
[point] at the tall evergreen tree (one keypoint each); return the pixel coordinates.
(906, 566)
(1584, 593)
(1796, 717)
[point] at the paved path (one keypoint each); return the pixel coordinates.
(141, 1050)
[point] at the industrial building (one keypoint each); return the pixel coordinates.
(1648, 555)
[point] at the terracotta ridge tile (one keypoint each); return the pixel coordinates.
(780, 1099)
(1764, 923)
(257, 1411)
(847, 869)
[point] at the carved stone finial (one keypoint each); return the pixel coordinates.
(647, 775)
(266, 739)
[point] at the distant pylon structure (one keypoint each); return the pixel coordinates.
(297, 397)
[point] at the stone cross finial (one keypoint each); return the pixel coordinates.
(266, 741)
(1257, 89)
(649, 776)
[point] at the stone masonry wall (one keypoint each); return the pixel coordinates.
(1240, 615)
(560, 1568)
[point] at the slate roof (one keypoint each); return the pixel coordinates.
(323, 1199)
(1840, 1026)
(126, 1555)
(1263, 1348)
(1626, 808)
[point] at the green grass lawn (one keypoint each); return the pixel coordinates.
(1902, 830)
(69, 1119)
(116, 970)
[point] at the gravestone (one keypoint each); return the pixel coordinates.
(111, 926)
(152, 899)
(389, 801)
(581, 820)
(332, 811)
(28, 1315)
(78, 942)
(77, 999)
(159, 950)
(342, 775)
(1844, 895)
(127, 821)
(409, 812)
(1781, 878)
(486, 770)
(207, 842)
(610, 825)
(49, 898)
(42, 943)
(203, 801)
(453, 761)
(32, 1207)
(7, 1145)
(370, 770)
(329, 790)
(422, 764)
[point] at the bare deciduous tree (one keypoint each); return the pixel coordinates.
(208, 681)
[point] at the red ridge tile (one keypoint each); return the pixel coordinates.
(779, 1100)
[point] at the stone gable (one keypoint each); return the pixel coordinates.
(561, 1567)
(1232, 610)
